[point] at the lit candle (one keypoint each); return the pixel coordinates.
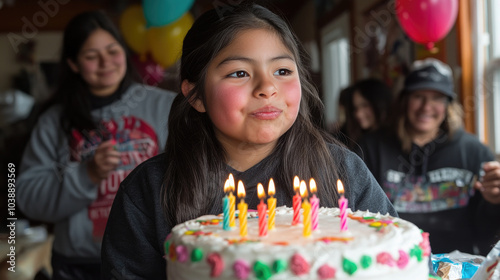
(232, 201)
(225, 208)
(243, 207)
(297, 200)
(262, 211)
(343, 206)
(271, 203)
(314, 205)
(307, 209)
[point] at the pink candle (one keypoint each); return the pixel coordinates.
(314, 205)
(343, 206)
(297, 201)
(262, 211)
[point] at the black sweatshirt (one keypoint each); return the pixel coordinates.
(432, 186)
(136, 229)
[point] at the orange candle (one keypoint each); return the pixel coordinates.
(307, 210)
(262, 211)
(243, 207)
(297, 200)
(271, 204)
(232, 201)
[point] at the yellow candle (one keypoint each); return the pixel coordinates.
(271, 204)
(232, 201)
(307, 218)
(306, 206)
(243, 207)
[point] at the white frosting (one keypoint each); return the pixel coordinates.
(366, 241)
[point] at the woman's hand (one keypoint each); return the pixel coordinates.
(105, 160)
(490, 183)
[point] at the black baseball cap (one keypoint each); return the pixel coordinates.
(430, 74)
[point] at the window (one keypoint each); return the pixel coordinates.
(335, 65)
(487, 57)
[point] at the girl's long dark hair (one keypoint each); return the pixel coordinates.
(196, 161)
(72, 92)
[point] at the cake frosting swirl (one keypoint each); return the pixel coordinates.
(375, 246)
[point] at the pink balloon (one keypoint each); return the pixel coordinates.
(426, 21)
(150, 72)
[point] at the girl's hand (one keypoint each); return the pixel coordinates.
(490, 183)
(105, 160)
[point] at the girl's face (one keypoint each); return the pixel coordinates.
(101, 62)
(363, 111)
(426, 111)
(253, 90)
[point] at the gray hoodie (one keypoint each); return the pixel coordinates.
(54, 186)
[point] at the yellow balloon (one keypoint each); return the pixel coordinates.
(165, 42)
(133, 27)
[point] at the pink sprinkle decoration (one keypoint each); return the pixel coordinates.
(403, 259)
(385, 258)
(241, 269)
(425, 244)
(326, 272)
(216, 263)
(182, 253)
(299, 265)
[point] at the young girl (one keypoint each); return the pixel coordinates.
(101, 125)
(245, 109)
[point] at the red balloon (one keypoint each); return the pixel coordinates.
(426, 21)
(150, 72)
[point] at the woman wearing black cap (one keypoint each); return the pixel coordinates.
(432, 170)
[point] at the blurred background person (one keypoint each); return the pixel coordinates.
(98, 126)
(365, 105)
(430, 168)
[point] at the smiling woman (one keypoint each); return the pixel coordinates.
(431, 169)
(99, 125)
(101, 62)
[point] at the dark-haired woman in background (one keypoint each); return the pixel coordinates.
(100, 124)
(365, 104)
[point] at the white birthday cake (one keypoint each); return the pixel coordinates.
(373, 247)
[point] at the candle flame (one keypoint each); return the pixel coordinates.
(312, 185)
(303, 189)
(231, 182)
(296, 184)
(340, 186)
(271, 189)
(241, 189)
(226, 186)
(260, 191)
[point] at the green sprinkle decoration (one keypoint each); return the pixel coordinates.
(366, 261)
(349, 266)
(280, 266)
(417, 253)
(262, 271)
(196, 255)
(167, 246)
